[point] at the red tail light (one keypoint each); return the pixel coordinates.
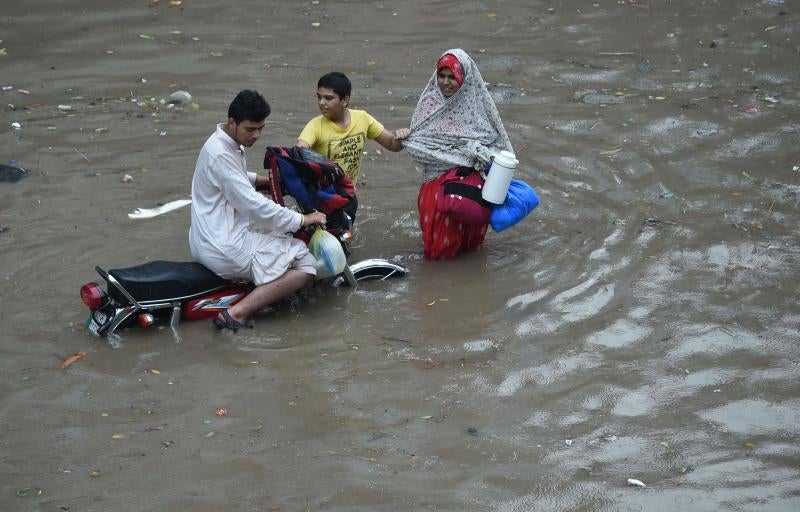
(146, 319)
(93, 296)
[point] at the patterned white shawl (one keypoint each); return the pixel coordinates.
(462, 130)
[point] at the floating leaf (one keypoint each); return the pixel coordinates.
(145, 36)
(118, 436)
(211, 434)
(27, 491)
(71, 359)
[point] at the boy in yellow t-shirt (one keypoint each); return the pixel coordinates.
(339, 134)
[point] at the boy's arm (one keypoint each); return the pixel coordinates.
(391, 141)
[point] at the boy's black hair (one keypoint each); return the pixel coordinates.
(336, 81)
(248, 106)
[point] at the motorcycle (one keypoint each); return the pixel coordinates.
(189, 291)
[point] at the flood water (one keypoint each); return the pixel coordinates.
(641, 324)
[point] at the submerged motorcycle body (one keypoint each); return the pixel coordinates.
(190, 291)
(183, 291)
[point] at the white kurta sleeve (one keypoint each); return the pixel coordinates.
(239, 192)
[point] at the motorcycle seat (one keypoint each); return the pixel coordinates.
(164, 280)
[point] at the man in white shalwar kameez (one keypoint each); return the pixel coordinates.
(225, 203)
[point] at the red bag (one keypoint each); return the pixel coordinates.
(460, 196)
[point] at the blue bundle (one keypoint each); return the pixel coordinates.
(520, 201)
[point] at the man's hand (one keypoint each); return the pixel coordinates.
(402, 133)
(262, 182)
(313, 218)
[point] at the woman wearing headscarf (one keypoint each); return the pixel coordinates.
(455, 124)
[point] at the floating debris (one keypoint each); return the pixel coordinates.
(12, 173)
(179, 97)
(636, 483)
(146, 213)
(71, 359)
(29, 491)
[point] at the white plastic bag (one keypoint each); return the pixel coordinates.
(328, 252)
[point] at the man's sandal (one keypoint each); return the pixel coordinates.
(227, 322)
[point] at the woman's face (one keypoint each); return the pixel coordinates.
(447, 82)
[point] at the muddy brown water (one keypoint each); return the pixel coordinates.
(642, 323)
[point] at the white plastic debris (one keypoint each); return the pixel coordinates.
(568, 442)
(147, 213)
(15, 125)
(179, 97)
(65, 108)
(636, 483)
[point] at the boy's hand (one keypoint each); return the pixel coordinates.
(402, 133)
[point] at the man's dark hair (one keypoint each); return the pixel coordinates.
(336, 81)
(248, 106)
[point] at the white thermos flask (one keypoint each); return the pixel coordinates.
(499, 177)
